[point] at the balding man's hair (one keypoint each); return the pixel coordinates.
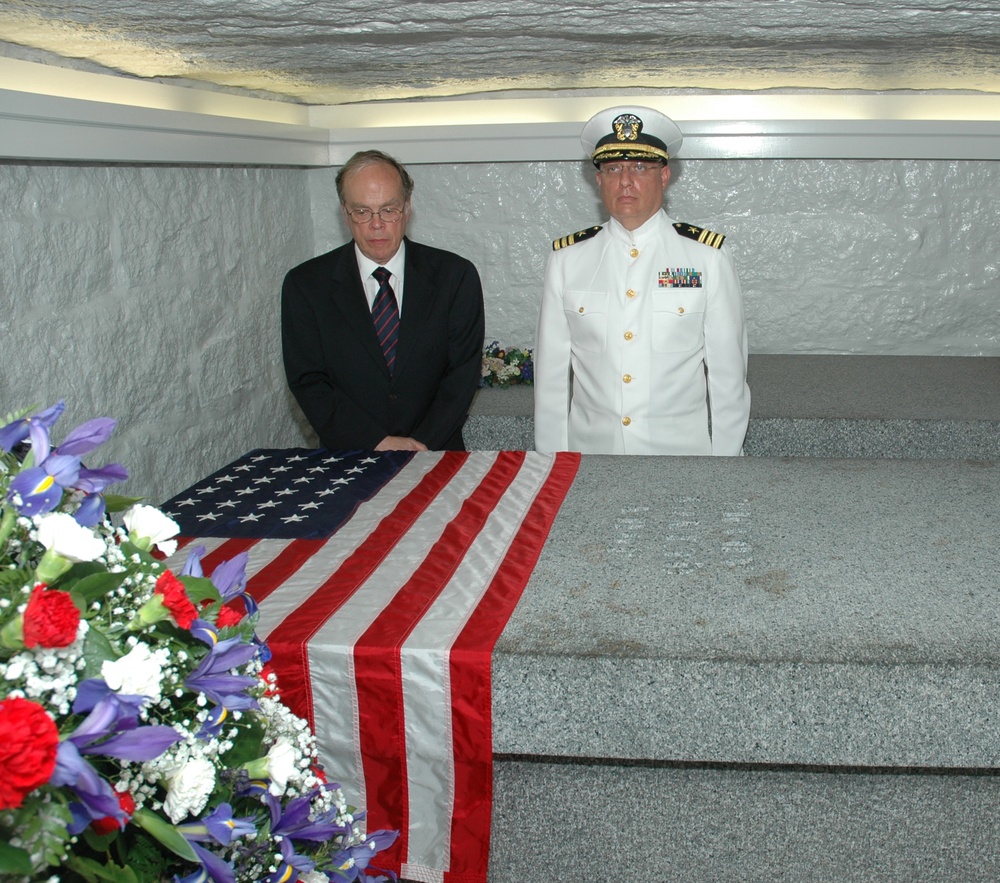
(369, 158)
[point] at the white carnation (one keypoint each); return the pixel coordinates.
(60, 532)
(189, 788)
(282, 764)
(150, 524)
(138, 673)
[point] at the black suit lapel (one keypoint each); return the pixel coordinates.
(418, 300)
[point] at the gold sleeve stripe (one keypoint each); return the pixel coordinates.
(573, 238)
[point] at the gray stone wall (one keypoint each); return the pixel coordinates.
(150, 295)
(835, 256)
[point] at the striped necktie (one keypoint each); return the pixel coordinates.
(385, 314)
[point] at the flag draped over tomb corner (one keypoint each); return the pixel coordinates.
(384, 581)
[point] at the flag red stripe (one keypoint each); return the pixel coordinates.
(273, 574)
(471, 682)
(378, 668)
(289, 641)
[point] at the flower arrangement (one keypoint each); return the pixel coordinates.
(506, 367)
(142, 736)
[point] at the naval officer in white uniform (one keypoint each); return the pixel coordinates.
(641, 344)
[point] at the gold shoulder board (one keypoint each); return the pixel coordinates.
(699, 234)
(573, 238)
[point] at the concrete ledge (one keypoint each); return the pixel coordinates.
(558, 822)
(825, 406)
(750, 610)
(756, 669)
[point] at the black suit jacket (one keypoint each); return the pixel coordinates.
(335, 367)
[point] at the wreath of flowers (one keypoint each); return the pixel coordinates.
(507, 367)
(142, 734)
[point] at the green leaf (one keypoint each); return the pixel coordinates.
(200, 588)
(248, 746)
(14, 860)
(166, 833)
(97, 649)
(12, 580)
(94, 587)
(118, 503)
(148, 859)
(99, 842)
(94, 872)
(42, 821)
(130, 549)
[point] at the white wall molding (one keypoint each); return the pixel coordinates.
(58, 114)
(749, 126)
(44, 127)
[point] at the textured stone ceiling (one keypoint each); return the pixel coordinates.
(326, 52)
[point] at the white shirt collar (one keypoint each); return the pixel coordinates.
(394, 265)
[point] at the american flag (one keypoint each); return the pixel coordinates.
(384, 580)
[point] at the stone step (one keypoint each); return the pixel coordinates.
(938, 407)
(756, 669)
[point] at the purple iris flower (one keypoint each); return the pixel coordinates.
(95, 797)
(291, 866)
(212, 676)
(360, 856)
(91, 511)
(230, 577)
(39, 488)
(34, 491)
(293, 820)
(244, 786)
(87, 437)
(216, 720)
(192, 567)
(262, 648)
(212, 868)
(220, 826)
(91, 691)
(117, 717)
(93, 481)
(14, 433)
(205, 631)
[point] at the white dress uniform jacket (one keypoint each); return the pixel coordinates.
(640, 338)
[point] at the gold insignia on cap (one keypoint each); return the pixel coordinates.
(700, 234)
(573, 238)
(627, 127)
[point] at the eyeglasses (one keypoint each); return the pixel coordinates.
(639, 168)
(364, 215)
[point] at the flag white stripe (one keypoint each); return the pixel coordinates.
(176, 561)
(426, 677)
(331, 656)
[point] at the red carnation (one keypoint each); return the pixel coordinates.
(50, 619)
(109, 823)
(176, 600)
(228, 616)
(28, 744)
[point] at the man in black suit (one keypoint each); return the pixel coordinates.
(383, 337)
